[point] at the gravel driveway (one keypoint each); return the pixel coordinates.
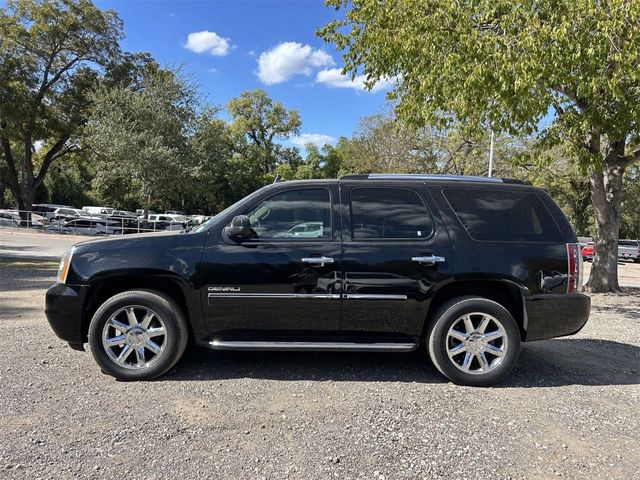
(571, 408)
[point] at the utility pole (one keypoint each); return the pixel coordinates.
(491, 155)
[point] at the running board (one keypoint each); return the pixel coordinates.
(217, 344)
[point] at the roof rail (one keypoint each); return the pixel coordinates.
(405, 176)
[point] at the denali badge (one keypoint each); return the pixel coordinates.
(224, 289)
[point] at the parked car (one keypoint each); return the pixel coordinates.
(87, 226)
(473, 267)
(47, 210)
(587, 252)
(304, 230)
(9, 219)
(629, 250)
(61, 215)
(175, 212)
(31, 221)
(128, 221)
(140, 212)
(167, 222)
(102, 211)
(196, 220)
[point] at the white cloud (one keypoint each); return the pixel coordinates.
(288, 59)
(315, 138)
(207, 42)
(333, 77)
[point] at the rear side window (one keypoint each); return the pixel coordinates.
(388, 213)
(503, 215)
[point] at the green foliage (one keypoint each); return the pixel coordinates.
(141, 134)
(499, 62)
(69, 182)
(262, 122)
(50, 54)
(321, 162)
(383, 145)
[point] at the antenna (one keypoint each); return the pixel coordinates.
(277, 179)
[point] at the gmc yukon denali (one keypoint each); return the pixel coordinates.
(467, 267)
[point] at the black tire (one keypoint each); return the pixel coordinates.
(167, 315)
(439, 342)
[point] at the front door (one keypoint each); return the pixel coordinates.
(395, 250)
(285, 280)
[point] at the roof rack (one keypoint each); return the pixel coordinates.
(405, 176)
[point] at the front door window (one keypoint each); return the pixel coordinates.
(296, 214)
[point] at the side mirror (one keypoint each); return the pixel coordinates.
(240, 227)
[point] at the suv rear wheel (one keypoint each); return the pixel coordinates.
(137, 335)
(474, 341)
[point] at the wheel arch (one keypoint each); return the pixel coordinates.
(503, 291)
(165, 283)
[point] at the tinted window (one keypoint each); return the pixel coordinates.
(297, 214)
(503, 215)
(388, 213)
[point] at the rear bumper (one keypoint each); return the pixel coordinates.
(556, 315)
(63, 308)
(629, 256)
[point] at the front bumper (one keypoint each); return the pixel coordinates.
(555, 315)
(63, 308)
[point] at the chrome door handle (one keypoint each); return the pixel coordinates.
(428, 260)
(318, 261)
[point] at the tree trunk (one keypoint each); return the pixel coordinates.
(606, 198)
(25, 204)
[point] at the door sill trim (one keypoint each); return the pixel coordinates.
(217, 344)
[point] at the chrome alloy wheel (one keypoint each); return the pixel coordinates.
(134, 337)
(476, 343)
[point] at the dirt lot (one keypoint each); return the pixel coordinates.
(571, 408)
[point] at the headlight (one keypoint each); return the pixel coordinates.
(65, 263)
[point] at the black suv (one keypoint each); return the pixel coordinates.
(469, 266)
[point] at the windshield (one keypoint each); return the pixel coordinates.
(210, 222)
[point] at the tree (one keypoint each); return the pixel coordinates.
(263, 122)
(141, 134)
(505, 65)
(50, 54)
(69, 181)
(320, 162)
(214, 146)
(381, 144)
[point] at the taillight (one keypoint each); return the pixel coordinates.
(574, 279)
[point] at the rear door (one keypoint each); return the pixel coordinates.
(395, 250)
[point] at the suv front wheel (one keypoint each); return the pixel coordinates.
(138, 335)
(474, 341)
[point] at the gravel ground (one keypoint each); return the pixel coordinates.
(570, 409)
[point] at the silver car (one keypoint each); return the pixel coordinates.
(629, 250)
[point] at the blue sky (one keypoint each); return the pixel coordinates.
(232, 46)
